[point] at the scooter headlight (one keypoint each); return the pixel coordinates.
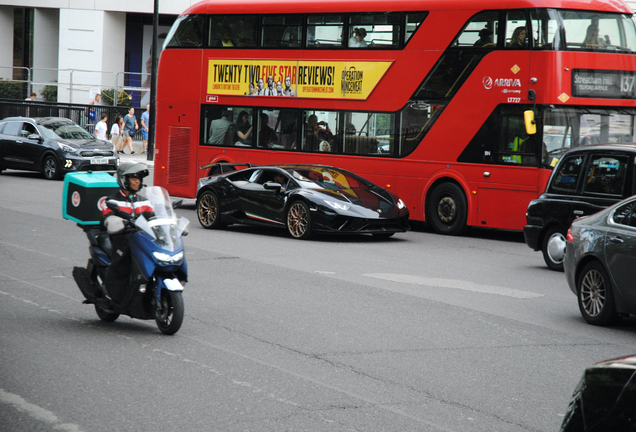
(166, 259)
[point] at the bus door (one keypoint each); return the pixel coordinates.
(511, 180)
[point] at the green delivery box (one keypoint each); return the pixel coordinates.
(84, 196)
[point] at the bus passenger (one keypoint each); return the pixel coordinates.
(519, 38)
(485, 38)
(266, 134)
(243, 135)
(219, 127)
(226, 40)
(592, 37)
(315, 133)
(357, 40)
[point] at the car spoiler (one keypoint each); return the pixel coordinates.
(223, 167)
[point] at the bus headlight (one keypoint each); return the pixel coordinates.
(166, 259)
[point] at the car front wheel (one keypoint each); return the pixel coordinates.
(596, 298)
(51, 168)
(299, 220)
(208, 210)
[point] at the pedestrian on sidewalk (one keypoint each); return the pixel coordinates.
(130, 128)
(145, 127)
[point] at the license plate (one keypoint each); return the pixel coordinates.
(99, 161)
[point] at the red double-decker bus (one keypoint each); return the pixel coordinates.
(426, 98)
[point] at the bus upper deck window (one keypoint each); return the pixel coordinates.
(413, 21)
(324, 31)
(233, 31)
(374, 30)
(186, 32)
(284, 31)
(480, 32)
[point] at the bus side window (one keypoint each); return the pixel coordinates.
(517, 30)
(374, 30)
(480, 31)
(413, 22)
(324, 31)
(233, 31)
(281, 31)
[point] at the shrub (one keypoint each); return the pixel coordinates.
(49, 93)
(10, 90)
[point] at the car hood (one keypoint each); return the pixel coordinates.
(87, 144)
(366, 202)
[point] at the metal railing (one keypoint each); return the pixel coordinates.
(79, 81)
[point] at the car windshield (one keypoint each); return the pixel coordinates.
(64, 130)
(327, 178)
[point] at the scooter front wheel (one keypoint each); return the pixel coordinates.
(170, 317)
(105, 316)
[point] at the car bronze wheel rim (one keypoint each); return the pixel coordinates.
(593, 293)
(208, 210)
(297, 220)
(50, 168)
(446, 209)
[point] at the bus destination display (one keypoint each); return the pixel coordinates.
(603, 84)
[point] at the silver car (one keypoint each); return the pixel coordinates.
(600, 263)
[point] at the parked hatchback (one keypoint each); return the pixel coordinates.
(587, 179)
(52, 146)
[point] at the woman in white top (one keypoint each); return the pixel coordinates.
(115, 133)
(357, 40)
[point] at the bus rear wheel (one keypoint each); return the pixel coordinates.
(447, 209)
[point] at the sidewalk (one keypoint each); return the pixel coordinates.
(138, 156)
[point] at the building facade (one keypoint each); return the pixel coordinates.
(82, 46)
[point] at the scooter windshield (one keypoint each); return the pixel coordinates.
(164, 227)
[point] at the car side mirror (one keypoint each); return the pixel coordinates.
(177, 204)
(35, 137)
(272, 186)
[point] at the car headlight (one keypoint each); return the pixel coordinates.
(400, 204)
(68, 149)
(164, 258)
(337, 205)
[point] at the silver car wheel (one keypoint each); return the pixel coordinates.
(593, 293)
(556, 247)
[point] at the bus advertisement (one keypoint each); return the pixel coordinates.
(424, 98)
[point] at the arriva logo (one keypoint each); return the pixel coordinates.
(501, 82)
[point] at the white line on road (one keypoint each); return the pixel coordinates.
(36, 412)
(453, 284)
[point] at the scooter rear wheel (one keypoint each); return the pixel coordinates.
(105, 316)
(170, 317)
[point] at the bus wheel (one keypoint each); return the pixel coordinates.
(447, 209)
(208, 210)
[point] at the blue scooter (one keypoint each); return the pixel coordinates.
(159, 269)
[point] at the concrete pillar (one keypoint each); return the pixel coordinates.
(6, 47)
(46, 35)
(91, 44)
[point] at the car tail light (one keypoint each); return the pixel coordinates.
(569, 236)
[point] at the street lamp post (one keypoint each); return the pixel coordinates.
(153, 84)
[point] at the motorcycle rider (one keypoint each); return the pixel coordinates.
(132, 204)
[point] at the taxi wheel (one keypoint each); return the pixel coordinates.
(553, 248)
(208, 210)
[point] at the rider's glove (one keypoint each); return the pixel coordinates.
(114, 225)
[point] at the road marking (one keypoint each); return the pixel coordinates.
(453, 284)
(36, 412)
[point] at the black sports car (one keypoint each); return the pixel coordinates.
(303, 198)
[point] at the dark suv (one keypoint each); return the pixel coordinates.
(53, 146)
(587, 179)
